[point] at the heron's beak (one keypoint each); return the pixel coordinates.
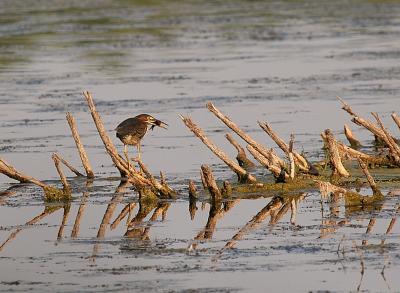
(158, 123)
(161, 124)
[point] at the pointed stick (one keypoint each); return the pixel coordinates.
(370, 179)
(79, 145)
(334, 155)
(69, 166)
(241, 156)
(396, 119)
(67, 187)
(354, 143)
(291, 158)
(242, 174)
(300, 161)
(228, 122)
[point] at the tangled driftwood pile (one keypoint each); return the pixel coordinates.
(293, 173)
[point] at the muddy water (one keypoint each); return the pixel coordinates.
(278, 61)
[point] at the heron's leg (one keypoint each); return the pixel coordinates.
(126, 154)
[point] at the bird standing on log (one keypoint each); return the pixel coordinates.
(132, 130)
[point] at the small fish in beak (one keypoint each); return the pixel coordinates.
(158, 123)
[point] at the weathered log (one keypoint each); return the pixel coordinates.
(242, 174)
(300, 161)
(210, 182)
(192, 189)
(291, 158)
(334, 155)
(354, 143)
(192, 199)
(394, 148)
(50, 192)
(344, 149)
(67, 187)
(228, 122)
(275, 170)
(241, 156)
(79, 145)
(370, 179)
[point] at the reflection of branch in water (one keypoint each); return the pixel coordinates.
(273, 205)
(362, 270)
(47, 211)
(371, 224)
(140, 232)
(217, 211)
(75, 229)
(125, 211)
(108, 214)
(391, 224)
(67, 208)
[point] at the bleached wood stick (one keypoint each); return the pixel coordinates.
(69, 166)
(79, 145)
(355, 143)
(334, 155)
(67, 187)
(243, 175)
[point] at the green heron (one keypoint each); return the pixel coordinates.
(132, 130)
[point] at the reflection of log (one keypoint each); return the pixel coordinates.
(47, 211)
(50, 191)
(125, 211)
(326, 189)
(300, 161)
(242, 174)
(192, 199)
(210, 182)
(75, 229)
(273, 205)
(354, 143)
(67, 187)
(228, 122)
(67, 208)
(241, 156)
(335, 159)
(79, 145)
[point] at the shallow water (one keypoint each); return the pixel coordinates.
(278, 61)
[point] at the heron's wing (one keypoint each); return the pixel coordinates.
(131, 126)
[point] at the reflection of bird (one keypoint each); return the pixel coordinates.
(132, 130)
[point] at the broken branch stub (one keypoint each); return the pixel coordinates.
(211, 184)
(334, 155)
(242, 174)
(79, 145)
(67, 187)
(69, 166)
(241, 156)
(228, 122)
(354, 142)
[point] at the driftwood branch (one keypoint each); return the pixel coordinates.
(67, 187)
(370, 179)
(291, 157)
(354, 142)
(69, 166)
(275, 170)
(242, 174)
(79, 145)
(396, 119)
(394, 148)
(211, 184)
(300, 161)
(241, 156)
(335, 159)
(228, 122)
